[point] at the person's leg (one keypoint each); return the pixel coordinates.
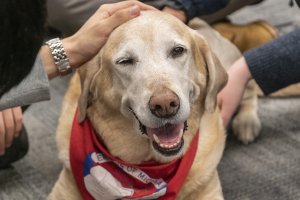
(232, 6)
(247, 36)
(244, 36)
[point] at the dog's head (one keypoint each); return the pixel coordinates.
(158, 73)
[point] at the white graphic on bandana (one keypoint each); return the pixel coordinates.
(104, 184)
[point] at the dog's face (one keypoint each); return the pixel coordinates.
(152, 70)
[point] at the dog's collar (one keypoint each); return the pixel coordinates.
(99, 175)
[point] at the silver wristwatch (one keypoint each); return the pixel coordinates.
(60, 57)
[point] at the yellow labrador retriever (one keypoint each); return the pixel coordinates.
(146, 125)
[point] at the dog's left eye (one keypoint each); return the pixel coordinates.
(177, 51)
(125, 61)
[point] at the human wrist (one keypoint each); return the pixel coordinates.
(59, 56)
(48, 62)
(69, 44)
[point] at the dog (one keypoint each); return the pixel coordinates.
(140, 120)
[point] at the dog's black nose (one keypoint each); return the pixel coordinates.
(164, 104)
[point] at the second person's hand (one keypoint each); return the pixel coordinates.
(10, 127)
(84, 44)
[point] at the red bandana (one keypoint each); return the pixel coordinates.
(101, 176)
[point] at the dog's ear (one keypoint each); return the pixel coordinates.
(86, 73)
(217, 79)
(216, 73)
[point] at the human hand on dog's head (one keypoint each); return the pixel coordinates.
(88, 40)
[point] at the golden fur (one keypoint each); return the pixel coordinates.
(101, 96)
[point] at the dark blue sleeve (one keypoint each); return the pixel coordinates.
(276, 64)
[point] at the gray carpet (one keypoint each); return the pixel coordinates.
(268, 169)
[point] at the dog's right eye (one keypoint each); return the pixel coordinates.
(177, 51)
(125, 61)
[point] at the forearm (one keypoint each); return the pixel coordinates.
(230, 97)
(239, 72)
(35, 87)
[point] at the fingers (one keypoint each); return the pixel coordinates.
(10, 127)
(2, 135)
(18, 119)
(9, 123)
(121, 16)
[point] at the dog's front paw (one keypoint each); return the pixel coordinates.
(246, 126)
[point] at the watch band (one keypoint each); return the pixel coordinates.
(60, 57)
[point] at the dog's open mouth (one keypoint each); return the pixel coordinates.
(167, 139)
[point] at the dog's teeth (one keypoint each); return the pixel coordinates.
(156, 139)
(168, 146)
(181, 134)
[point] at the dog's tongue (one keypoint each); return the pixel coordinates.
(168, 134)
